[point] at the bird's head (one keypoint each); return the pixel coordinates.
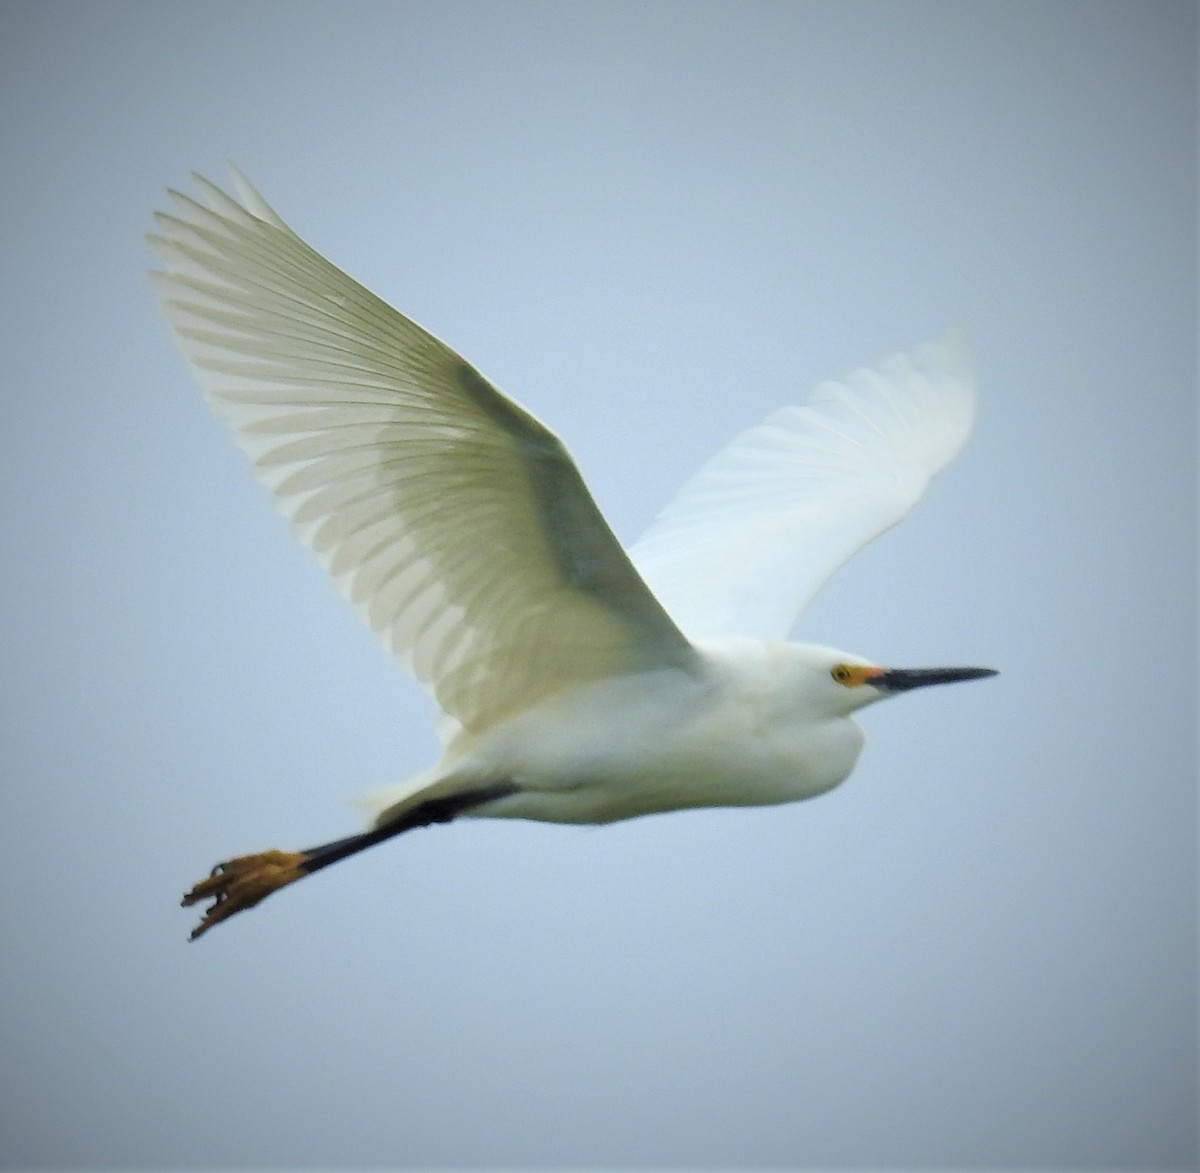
(841, 683)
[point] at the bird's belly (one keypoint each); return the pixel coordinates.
(659, 742)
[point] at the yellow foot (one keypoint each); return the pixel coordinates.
(241, 883)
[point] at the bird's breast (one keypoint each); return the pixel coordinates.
(662, 741)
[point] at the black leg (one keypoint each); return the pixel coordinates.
(434, 810)
(238, 884)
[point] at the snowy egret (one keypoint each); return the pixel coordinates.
(577, 683)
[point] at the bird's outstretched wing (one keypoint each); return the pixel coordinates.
(454, 520)
(761, 527)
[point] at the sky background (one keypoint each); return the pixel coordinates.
(652, 223)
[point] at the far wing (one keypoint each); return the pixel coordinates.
(455, 521)
(757, 532)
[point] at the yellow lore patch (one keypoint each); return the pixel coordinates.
(852, 675)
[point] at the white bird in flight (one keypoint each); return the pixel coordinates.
(578, 683)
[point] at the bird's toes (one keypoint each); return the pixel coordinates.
(240, 883)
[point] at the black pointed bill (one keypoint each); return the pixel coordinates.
(904, 679)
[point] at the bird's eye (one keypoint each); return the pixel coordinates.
(843, 675)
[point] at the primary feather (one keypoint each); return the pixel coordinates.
(761, 527)
(453, 519)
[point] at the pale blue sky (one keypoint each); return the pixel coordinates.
(652, 223)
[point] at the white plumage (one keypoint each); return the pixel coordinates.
(577, 682)
(761, 527)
